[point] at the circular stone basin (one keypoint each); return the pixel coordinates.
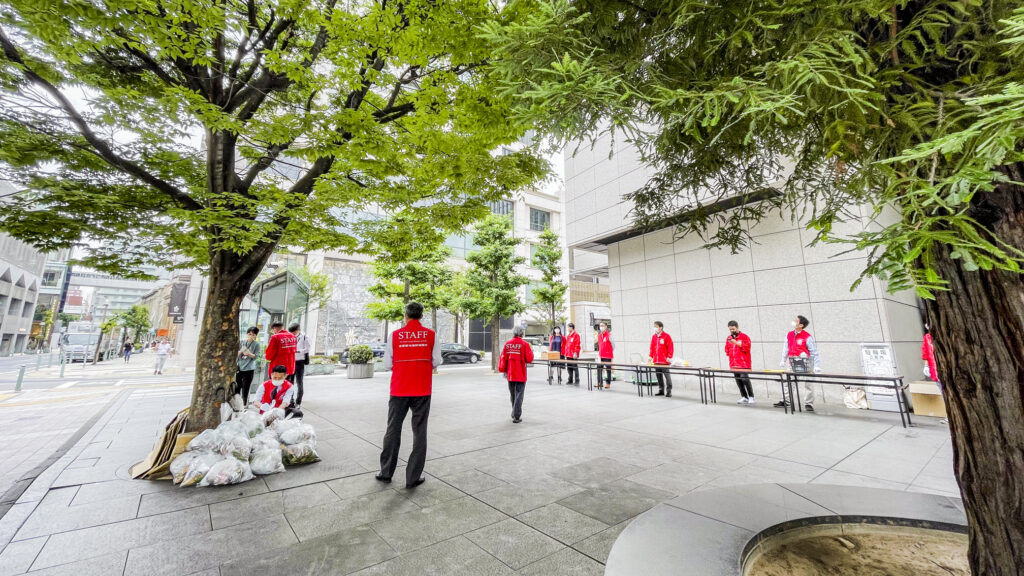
(859, 549)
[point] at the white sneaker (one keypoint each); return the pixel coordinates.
(751, 401)
(741, 401)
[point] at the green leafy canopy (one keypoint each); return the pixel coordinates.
(164, 131)
(909, 110)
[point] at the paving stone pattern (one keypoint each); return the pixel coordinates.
(547, 496)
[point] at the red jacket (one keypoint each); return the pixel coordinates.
(661, 348)
(281, 351)
(605, 350)
(571, 345)
(739, 354)
(928, 355)
(516, 354)
(411, 352)
(268, 390)
(796, 344)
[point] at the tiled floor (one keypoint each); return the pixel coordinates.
(548, 496)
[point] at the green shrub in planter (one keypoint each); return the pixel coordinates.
(360, 354)
(324, 359)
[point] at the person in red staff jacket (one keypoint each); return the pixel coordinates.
(571, 349)
(281, 348)
(800, 344)
(275, 393)
(411, 355)
(515, 355)
(606, 352)
(661, 354)
(737, 348)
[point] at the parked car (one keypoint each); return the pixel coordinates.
(377, 347)
(457, 354)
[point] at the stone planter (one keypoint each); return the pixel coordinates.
(319, 369)
(360, 370)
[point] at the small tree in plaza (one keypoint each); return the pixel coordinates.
(208, 133)
(912, 109)
(457, 299)
(493, 278)
(136, 321)
(549, 296)
(411, 271)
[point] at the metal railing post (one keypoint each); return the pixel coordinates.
(21, 376)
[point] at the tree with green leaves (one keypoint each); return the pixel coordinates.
(457, 299)
(136, 321)
(406, 275)
(208, 133)
(549, 296)
(493, 276)
(913, 109)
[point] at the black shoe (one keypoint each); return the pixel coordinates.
(781, 404)
(416, 483)
(668, 395)
(660, 394)
(808, 408)
(517, 420)
(383, 479)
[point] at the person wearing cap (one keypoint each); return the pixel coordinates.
(277, 392)
(571, 349)
(412, 354)
(515, 355)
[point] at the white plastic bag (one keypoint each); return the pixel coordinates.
(266, 440)
(678, 362)
(199, 467)
(283, 425)
(233, 427)
(225, 412)
(237, 445)
(301, 434)
(304, 453)
(252, 421)
(266, 461)
(855, 397)
(180, 465)
(227, 471)
(208, 440)
(236, 403)
(273, 415)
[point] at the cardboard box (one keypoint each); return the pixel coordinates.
(926, 399)
(549, 355)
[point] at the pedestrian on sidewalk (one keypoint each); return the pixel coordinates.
(661, 354)
(128, 347)
(302, 350)
(737, 349)
(606, 352)
(277, 392)
(571, 349)
(411, 355)
(163, 352)
(248, 351)
(928, 355)
(515, 355)
(800, 344)
(555, 345)
(280, 348)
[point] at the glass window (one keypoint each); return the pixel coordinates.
(51, 277)
(539, 219)
(502, 207)
(533, 253)
(529, 291)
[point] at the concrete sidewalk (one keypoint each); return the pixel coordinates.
(548, 496)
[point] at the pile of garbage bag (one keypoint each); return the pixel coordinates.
(246, 443)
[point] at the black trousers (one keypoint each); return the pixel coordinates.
(664, 379)
(573, 370)
(297, 378)
(743, 382)
(397, 408)
(516, 390)
(606, 369)
(243, 382)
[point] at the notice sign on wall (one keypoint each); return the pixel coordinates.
(176, 307)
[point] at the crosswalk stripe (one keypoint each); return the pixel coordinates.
(68, 384)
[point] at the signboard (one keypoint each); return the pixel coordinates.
(179, 297)
(178, 320)
(161, 332)
(877, 360)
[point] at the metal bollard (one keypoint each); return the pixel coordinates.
(62, 364)
(49, 361)
(39, 360)
(21, 376)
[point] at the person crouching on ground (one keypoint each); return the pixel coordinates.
(276, 392)
(515, 355)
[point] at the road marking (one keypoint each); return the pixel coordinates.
(68, 384)
(119, 383)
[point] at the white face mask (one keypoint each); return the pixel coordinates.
(793, 324)
(277, 382)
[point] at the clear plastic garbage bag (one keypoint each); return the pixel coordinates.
(304, 453)
(266, 461)
(199, 467)
(227, 471)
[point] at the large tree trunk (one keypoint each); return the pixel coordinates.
(495, 345)
(978, 327)
(231, 277)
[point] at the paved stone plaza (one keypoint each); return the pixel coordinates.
(545, 497)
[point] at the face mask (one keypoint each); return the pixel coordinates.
(793, 324)
(277, 382)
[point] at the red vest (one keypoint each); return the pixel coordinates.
(281, 351)
(661, 348)
(268, 389)
(797, 343)
(516, 354)
(604, 345)
(571, 345)
(411, 349)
